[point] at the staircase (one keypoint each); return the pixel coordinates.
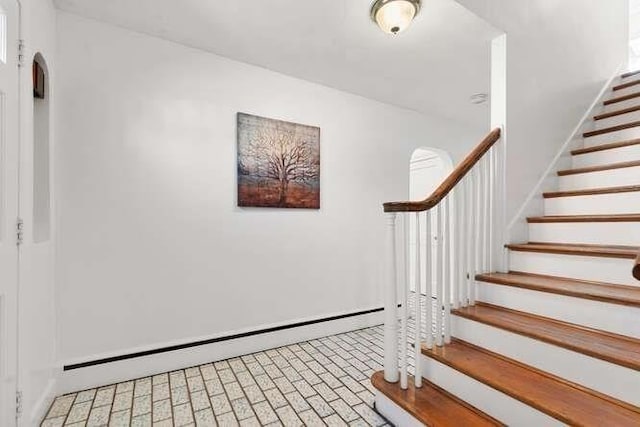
(555, 340)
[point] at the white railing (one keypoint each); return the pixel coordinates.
(439, 244)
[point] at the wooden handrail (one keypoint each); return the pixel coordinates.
(636, 268)
(450, 182)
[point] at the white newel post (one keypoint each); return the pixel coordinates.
(391, 373)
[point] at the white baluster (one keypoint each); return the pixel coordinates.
(481, 203)
(456, 259)
(464, 243)
(428, 272)
(446, 242)
(405, 305)
(486, 195)
(492, 208)
(495, 251)
(479, 229)
(439, 275)
(391, 305)
(418, 320)
(471, 238)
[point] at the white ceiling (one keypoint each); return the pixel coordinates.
(433, 67)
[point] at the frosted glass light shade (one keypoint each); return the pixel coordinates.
(394, 16)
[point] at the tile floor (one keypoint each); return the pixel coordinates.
(319, 382)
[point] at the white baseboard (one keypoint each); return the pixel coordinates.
(40, 408)
(87, 377)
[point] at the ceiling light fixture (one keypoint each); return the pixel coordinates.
(394, 16)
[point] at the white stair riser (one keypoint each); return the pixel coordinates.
(605, 377)
(601, 179)
(598, 269)
(594, 233)
(619, 319)
(627, 79)
(394, 413)
(617, 136)
(624, 92)
(485, 398)
(617, 120)
(605, 157)
(617, 106)
(593, 204)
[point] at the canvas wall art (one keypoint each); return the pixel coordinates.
(278, 163)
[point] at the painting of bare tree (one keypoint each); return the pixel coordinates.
(278, 163)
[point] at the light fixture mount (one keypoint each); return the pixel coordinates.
(394, 16)
(479, 98)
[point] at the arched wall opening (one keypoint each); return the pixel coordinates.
(427, 169)
(41, 151)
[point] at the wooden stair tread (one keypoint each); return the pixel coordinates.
(432, 405)
(630, 73)
(600, 168)
(617, 113)
(597, 291)
(558, 398)
(622, 98)
(585, 218)
(603, 147)
(626, 85)
(618, 349)
(606, 251)
(612, 128)
(592, 191)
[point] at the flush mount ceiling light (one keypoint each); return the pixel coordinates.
(394, 16)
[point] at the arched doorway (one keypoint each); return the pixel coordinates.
(427, 168)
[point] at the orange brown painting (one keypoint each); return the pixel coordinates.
(266, 194)
(278, 163)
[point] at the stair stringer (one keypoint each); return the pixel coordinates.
(533, 205)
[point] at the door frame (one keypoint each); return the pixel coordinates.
(10, 139)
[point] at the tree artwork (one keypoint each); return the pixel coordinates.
(278, 163)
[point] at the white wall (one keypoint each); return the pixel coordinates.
(152, 247)
(38, 368)
(634, 35)
(559, 55)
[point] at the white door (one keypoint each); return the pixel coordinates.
(8, 208)
(427, 170)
